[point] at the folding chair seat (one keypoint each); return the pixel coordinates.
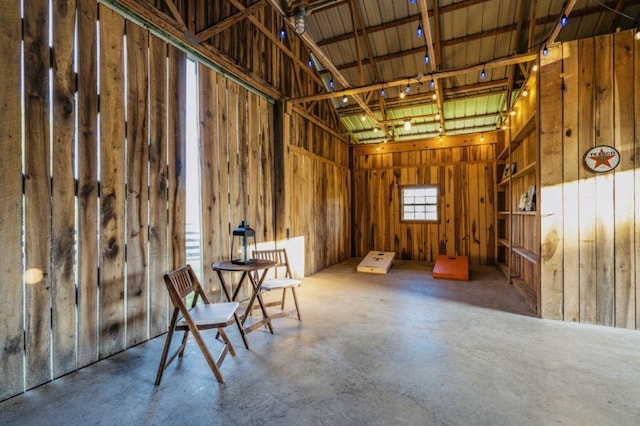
(180, 283)
(282, 279)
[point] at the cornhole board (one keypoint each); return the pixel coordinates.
(377, 262)
(451, 267)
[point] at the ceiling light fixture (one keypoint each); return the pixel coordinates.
(419, 31)
(301, 20)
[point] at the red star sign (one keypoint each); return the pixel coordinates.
(601, 159)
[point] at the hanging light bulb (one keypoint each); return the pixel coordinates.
(434, 96)
(375, 130)
(301, 20)
(637, 33)
(331, 83)
(437, 116)
(545, 51)
(363, 117)
(310, 61)
(525, 92)
(564, 20)
(408, 88)
(419, 31)
(282, 34)
(413, 1)
(401, 95)
(407, 124)
(345, 99)
(432, 83)
(483, 73)
(482, 138)
(426, 59)
(535, 67)
(383, 92)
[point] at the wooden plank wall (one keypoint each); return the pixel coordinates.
(93, 227)
(592, 276)
(463, 169)
(317, 185)
(236, 151)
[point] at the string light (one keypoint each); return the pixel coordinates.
(525, 92)
(637, 33)
(401, 94)
(282, 33)
(426, 58)
(545, 51)
(434, 96)
(437, 116)
(419, 31)
(408, 88)
(345, 99)
(363, 117)
(564, 20)
(331, 83)
(483, 73)
(383, 92)
(432, 83)
(482, 138)
(310, 61)
(535, 67)
(407, 124)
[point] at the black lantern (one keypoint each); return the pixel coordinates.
(241, 244)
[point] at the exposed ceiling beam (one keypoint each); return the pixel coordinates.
(175, 13)
(326, 62)
(516, 59)
(569, 4)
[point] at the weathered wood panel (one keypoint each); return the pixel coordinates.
(636, 146)
(112, 184)
(550, 202)
(137, 184)
(570, 195)
(37, 189)
(87, 157)
(624, 266)
(63, 301)
(177, 154)
(605, 215)
(597, 281)
(586, 184)
(210, 188)
(11, 290)
(158, 188)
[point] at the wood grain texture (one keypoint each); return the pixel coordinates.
(112, 184)
(63, 301)
(550, 203)
(87, 183)
(137, 183)
(158, 188)
(37, 188)
(177, 154)
(11, 291)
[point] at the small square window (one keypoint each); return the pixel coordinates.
(419, 203)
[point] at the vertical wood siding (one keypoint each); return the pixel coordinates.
(465, 177)
(589, 229)
(90, 208)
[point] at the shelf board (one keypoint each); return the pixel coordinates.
(528, 170)
(524, 131)
(523, 252)
(505, 213)
(519, 213)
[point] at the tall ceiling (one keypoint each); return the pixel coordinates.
(480, 53)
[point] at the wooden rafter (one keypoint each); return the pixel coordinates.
(515, 59)
(216, 29)
(511, 71)
(175, 13)
(556, 28)
(434, 63)
(327, 63)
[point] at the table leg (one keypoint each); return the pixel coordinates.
(240, 324)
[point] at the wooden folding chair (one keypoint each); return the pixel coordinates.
(180, 283)
(281, 280)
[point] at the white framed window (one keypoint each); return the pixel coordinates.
(419, 203)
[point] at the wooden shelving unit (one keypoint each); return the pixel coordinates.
(518, 228)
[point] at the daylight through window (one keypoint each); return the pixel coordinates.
(419, 203)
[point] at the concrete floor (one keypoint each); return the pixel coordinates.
(396, 349)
